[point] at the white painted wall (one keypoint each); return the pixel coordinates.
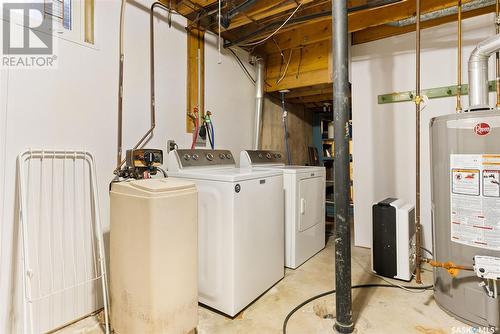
(384, 135)
(75, 106)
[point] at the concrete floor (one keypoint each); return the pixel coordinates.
(375, 310)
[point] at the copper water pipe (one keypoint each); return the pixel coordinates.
(418, 100)
(459, 62)
(497, 25)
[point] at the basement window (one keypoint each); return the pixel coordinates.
(72, 19)
(61, 12)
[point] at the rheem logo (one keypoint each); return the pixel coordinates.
(482, 129)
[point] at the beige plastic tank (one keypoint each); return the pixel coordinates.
(154, 256)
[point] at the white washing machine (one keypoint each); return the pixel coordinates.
(240, 227)
(304, 203)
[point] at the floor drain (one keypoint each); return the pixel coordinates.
(323, 310)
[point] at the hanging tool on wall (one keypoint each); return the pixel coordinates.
(285, 125)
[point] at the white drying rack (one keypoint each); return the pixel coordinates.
(64, 264)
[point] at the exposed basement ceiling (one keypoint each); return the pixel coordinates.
(298, 56)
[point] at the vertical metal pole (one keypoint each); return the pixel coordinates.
(497, 27)
(120, 88)
(343, 319)
(259, 101)
(459, 56)
(418, 99)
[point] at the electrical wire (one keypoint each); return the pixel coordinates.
(286, 67)
(243, 67)
(213, 134)
(276, 31)
(163, 171)
(383, 278)
(209, 133)
(428, 251)
(285, 128)
(373, 285)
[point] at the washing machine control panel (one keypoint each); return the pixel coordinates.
(263, 157)
(202, 157)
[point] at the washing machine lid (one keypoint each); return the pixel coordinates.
(300, 169)
(226, 174)
(293, 169)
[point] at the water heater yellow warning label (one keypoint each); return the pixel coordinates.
(475, 200)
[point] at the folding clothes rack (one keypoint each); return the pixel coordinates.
(64, 266)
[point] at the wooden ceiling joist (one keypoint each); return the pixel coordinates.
(376, 33)
(310, 91)
(321, 28)
(308, 35)
(308, 66)
(263, 9)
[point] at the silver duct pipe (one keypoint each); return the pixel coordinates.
(443, 12)
(478, 73)
(259, 101)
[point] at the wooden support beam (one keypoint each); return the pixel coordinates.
(310, 90)
(308, 66)
(311, 99)
(268, 8)
(186, 7)
(390, 13)
(320, 29)
(300, 36)
(385, 31)
(195, 53)
(263, 9)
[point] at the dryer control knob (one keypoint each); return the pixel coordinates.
(210, 156)
(196, 156)
(229, 156)
(186, 157)
(269, 156)
(260, 156)
(222, 156)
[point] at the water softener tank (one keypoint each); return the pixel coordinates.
(154, 256)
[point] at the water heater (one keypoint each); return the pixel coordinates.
(465, 160)
(466, 209)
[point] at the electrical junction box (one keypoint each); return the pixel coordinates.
(487, 267)
(393, 248)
